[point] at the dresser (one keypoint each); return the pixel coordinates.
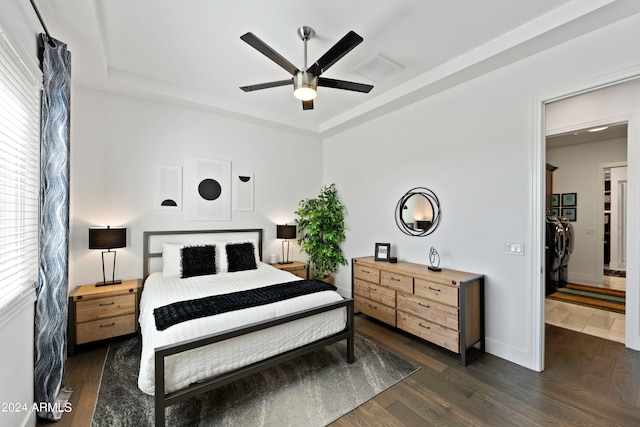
(445, 308)
(101, 312)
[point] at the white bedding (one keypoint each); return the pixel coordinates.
(183, 369)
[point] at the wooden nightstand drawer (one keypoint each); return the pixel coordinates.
(100, 312)
(105, 328)
(100, 308)
(300, 269)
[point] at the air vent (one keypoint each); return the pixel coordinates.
(377, 68)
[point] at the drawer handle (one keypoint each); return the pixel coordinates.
(395, 280)
(424, 305)
(434, 289)
(365, 271)
(111, 303)
(106, 326)
(372, 306)
(424, 326)
(372, 289)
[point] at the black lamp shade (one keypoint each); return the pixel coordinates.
(107, 238)
(286, 232)
(423, 225)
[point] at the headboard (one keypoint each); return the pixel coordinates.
(153, 240)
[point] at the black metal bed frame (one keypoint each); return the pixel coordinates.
(163, 400)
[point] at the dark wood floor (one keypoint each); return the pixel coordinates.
(587, 381)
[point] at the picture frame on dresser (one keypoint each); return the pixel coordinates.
(382, 251)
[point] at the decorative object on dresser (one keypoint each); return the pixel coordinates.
(321, 222)
(434, 259)
(382, 251)
(108, 238)
(445, 307)
(300, 269)
(97, 313)
(418, 212)
(286, 232)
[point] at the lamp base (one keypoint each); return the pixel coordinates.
(112, 282)
(286, 262)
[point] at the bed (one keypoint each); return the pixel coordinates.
(200, 353)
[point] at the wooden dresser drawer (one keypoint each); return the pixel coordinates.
(397, 281)
(375, 292)
(100, 308)
(444, 337)
(105, 328)
(441, 314)
(366, 273)
(444, 294)
(376, 310)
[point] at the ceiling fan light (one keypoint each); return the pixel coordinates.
(305, 85)
(305, 93)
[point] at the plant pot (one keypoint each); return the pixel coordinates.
(327, 279)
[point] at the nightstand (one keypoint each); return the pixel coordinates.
(101, 312)
(300, 269)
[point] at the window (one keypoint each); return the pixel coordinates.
(19, 175)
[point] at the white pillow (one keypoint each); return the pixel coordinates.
(222, 265)
(171, 259)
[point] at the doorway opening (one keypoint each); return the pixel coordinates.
(626, 89)
(587, 186)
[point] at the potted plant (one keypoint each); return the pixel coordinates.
(321, 230)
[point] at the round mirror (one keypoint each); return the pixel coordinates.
(418, 212)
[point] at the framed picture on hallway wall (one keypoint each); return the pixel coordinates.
(569, 200)
(569, 213)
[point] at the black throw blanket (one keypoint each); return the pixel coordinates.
(182, 311)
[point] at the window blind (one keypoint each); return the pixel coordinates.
(19, 175)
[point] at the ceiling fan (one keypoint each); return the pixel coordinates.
(306, 81)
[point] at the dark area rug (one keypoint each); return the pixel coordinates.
(590, 296)
(615, 273)
(312, 390)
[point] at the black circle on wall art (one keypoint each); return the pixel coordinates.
(169, 202)
(209, 189)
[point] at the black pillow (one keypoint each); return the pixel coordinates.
(241, 256)
(198, 260)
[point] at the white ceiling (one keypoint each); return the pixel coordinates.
(190, 52)
(585, 136)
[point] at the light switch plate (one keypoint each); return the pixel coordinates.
(513, 248)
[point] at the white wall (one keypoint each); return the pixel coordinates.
(579, 171)
(116, 143)
(473, 146)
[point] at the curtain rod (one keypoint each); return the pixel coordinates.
(44, 27)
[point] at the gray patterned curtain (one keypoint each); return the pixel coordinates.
(52, 290)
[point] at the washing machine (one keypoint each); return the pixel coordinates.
(555, 246)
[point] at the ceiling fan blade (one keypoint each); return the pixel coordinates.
(266, 85)
(341, 84)
(307, 105)
(267, 51)
(338, 50)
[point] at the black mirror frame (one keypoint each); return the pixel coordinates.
(435, 204)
